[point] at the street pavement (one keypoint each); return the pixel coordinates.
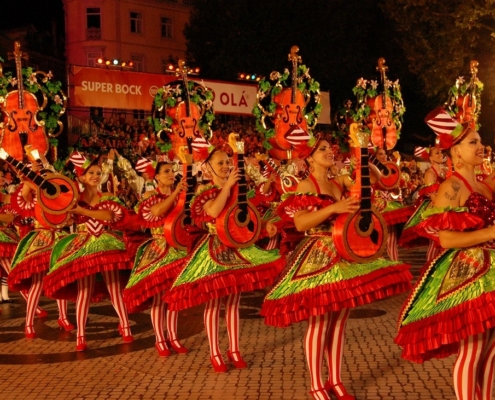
(48, 367)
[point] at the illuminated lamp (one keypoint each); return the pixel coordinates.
(131, 64)
(258, 79)
(196, 70)
(100, 61)
(115, 61)
(107, 62)
(170, 67)
(253, 77)
(248, 77)
(123, 63)
(242, 76)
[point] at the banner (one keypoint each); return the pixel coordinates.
(128, 90)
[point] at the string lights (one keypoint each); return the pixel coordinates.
(173, 69)
(114, 63)
(249, 77)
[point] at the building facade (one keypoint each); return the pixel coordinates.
(147, 32)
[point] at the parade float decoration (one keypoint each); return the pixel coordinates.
(31, 105)
(287, 108)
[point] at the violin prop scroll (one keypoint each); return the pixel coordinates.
(239, 224)
(361, 236)
(179, 218)
(56, 194)
(21, 109)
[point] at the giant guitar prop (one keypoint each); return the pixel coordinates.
(361, 236)
(56, 194)
(239, 224)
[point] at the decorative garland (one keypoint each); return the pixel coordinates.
(461, 89)
(168, 97)
(48, 93)
(266, 107)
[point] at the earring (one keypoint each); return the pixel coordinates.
(311, 167)
(459, 164)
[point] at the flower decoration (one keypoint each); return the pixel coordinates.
(166, 101)
(266, 106)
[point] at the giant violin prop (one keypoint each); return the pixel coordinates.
(20, 109)
(56, 194)
(384, 131)
(186, 115)
(290, 124)
(179, 217)
(238, 225)
(361, 236)
(467, 104)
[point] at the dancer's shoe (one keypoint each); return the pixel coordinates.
(81, 344)
(29, 332)
(126, 338)
(163, 350)
(65, 325)
(177, 346)
(339, 391)
(236, 359)
(40, 313)
(218, 364)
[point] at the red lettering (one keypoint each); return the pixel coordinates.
(224, 99)
(232, 96)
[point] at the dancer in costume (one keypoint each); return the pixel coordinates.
(318, 285)
(32, 257)
(216, 273)
(450, 309)
(390, 205)
(433, 177)
(9, 242)
(77, 258)
(157, 264)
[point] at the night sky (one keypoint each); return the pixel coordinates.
(41, 13)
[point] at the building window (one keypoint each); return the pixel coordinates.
(136, 22)
(166, 27)
(92, 57)
(138, 62)
(93, 24)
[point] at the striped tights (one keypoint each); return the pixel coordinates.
(211, 320)
(85, 291)
(474, 368)
(392, 250)
(158, 312)
(325, 336)
(33, 298)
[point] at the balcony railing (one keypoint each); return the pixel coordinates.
(93, 34)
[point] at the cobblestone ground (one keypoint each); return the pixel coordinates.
(48, 367)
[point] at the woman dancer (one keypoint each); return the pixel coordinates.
(433, 177)
(32, 257)
(450, 309)
(157, 264)
(77, 258)
(216, 273)
(320, 286)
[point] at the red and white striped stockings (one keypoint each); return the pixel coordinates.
(85, 291)
(474, 368)
(392, 249)
(158, 312)
(326, 336)
(211, 319)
